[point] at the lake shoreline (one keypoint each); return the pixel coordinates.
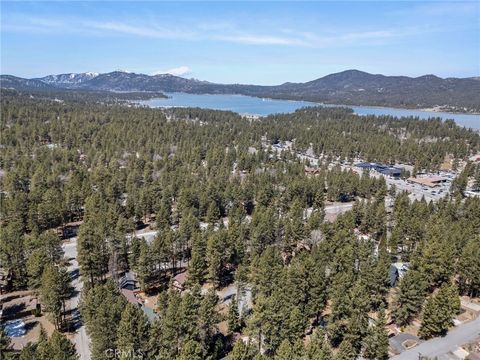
(438, 108)
(260, 106)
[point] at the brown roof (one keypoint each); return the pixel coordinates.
(130, 296)
(430, 181)
(179, 280)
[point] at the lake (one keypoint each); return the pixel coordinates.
(258, 106)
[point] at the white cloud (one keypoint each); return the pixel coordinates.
(260, 40)
(178, 71)
(222, 32)
(139, 30)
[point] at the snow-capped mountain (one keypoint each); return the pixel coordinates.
(66, 80)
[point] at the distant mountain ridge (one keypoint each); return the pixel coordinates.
(350, 87)
(17, 83)
(68, 80)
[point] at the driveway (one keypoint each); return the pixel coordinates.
(80, 338)
(440, 346)
(397, 341)
(332, 211)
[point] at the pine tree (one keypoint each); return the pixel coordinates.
(358, 321)
(167, 341)
(435, 261)
(379, 283)
(431, 323)
(469, 268)
(50, 209)
(52, 292)
(318, 349)
(241, 351)
(145, 266)
(47, 249)
(132, 330)
(12, 252)
(213, 214)
(189, 314)
(28, 352)
(207, 318)
(164, 212)
(233, 318)
(345, 352)
(439, 311)
(35, 266)
(198, 266)
(192, 350)
(375, 344)
(295, 325)
(215, 257)
(410, 296)
(5, 344)
(91, 258)
(43, 349)
(317, 287)
(286, 352)
(101, 308)
(61, 347)
(294, 228)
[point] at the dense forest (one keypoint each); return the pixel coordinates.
(232, 210)
(82, 96)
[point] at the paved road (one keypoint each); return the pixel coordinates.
(440, 346)
(80, 338)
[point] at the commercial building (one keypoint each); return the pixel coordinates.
(386, 170)
(430, 181)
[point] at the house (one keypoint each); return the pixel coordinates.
(179, 281)
(130, 296)
(128, 282)
(397, 270)
(128, 287)
(129, 290)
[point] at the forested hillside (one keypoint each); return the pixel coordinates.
(350, 87)
(233, 212)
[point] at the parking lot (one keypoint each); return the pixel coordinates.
(418, 191)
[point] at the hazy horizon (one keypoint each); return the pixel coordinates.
(186, 76)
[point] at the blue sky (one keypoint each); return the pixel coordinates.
(241, 42)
